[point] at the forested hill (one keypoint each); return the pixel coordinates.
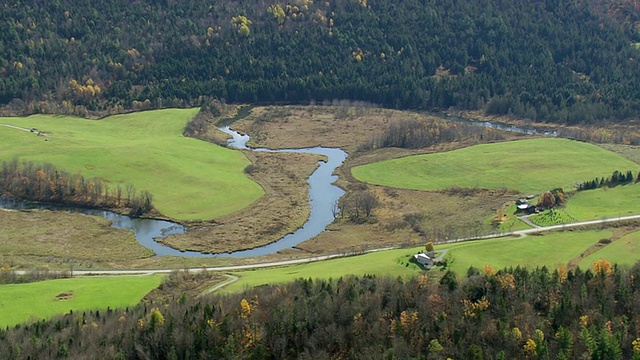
(561, 61)
(508, 314)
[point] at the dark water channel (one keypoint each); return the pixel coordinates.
(323, 196)
(500, 126)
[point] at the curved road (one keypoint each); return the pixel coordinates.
(546, 228)
(333, 256)
(233, 278)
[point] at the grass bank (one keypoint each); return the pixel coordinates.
(189, 179)
(623, 251)
(41, 300)
(529, 166)
(550, 250)
(384, 263)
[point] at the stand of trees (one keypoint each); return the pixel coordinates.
(617, 178)
(43, 182)
(559, 61)
(508, 314)
(552, 199)
(417, 134)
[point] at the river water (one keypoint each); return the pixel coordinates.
(323, 196)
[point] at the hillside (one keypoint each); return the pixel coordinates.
(567, 62)
(508, 314)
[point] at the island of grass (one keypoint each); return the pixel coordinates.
(528, 166)
(189, 179)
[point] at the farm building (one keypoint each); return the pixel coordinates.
(525, 206)
(424, 260)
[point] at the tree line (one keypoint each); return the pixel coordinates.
(417, 134)
(617, 178)
(25, 180)
(561, 62)
(513, 313)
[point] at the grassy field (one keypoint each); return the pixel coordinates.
(384, 263)
(605, 202)
(40, 300)
(551, 250)
(623, 251)
(189, 179)
(529, 166)
(594, 204)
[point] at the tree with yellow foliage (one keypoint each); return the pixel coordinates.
(602, 267)
(278, 13)
(242, 23)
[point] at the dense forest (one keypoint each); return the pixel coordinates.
(507, 314)
(558, 61)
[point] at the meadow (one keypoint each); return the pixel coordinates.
(26, 302)
(623, 251)
(594, 204)
(528, 166)
(391, 263)
(605, 202)
(41, 300)
(550, 250)
(188, 178)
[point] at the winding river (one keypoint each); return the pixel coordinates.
(323, 196)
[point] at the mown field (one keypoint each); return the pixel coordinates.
(40, 300)
(189, 179)
(605, 202)
(528, 166)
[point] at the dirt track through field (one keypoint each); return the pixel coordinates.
(16, 127)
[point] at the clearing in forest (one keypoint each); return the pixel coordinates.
(528, 166)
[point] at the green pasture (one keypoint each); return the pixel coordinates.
(41, 300)
(391, 263)
(510, 222)
(189, 179)
(623, 251)
(529, 166)
(594, 204)
(551, 250)
(605, 202)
